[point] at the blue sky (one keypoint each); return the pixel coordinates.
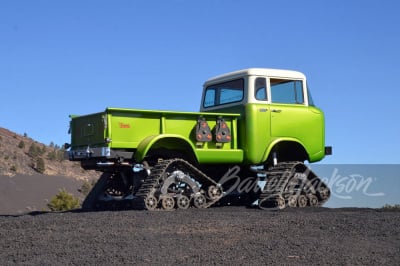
(78, 57)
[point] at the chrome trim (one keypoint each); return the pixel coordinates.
(89, 153)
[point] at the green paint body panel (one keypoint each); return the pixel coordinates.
(142, 130)
(87, 130)
(254, 132)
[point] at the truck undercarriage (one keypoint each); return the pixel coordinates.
(175, 183)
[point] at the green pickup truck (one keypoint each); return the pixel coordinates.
(254, 125)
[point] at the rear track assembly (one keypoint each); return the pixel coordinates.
(172, 183)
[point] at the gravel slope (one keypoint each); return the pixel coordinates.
(220, 235)
(23, 193)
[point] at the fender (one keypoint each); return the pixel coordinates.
(277, 141)
(147, 143)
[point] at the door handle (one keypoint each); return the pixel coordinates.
(276, 110)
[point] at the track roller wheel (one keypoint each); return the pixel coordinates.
(183, 202)
(274, 203)
(292, 201)
(168, 203)
(151, 203)
(312, 200)
(323, 193)
(302, 201)
(280, 203)
(214, 192)
(199, 201)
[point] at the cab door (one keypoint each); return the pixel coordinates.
(291, 118)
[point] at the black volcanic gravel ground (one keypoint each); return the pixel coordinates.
(215, 236)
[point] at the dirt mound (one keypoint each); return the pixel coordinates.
(215, 236)
(25, 193)
(21, 155)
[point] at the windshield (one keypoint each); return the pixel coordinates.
(310, 99)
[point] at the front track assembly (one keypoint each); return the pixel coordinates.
(292, 184)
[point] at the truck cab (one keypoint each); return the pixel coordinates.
(278, 118)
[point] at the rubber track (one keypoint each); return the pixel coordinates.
(154, 181)
(280, 176)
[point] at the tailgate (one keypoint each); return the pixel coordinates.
(88, 130)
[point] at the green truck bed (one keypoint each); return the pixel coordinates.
(121, 131)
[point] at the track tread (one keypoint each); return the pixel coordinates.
(282, 183)
(154, 182)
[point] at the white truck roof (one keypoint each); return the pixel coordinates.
(269, 72)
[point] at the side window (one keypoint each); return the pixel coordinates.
(260, 91)
(230, 95)
(287, 91)
(209, 99)
(224, 93)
